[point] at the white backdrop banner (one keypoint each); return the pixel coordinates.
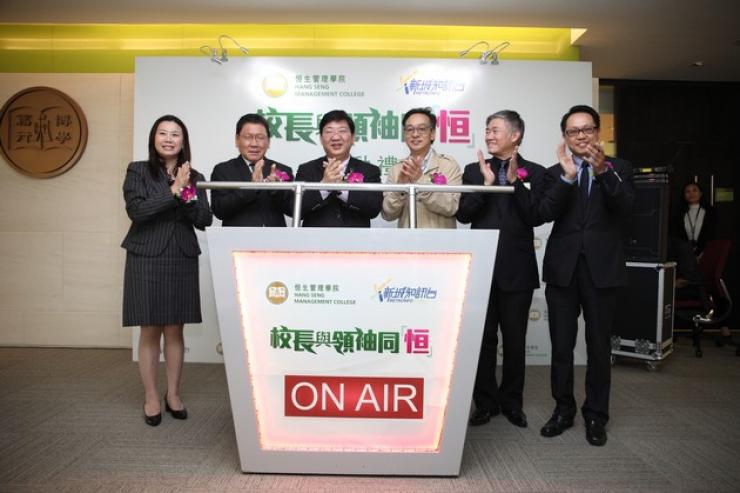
(293, 94)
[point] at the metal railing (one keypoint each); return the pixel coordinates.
(298, 187)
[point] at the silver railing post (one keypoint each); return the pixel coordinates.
(412, 207)
(297, 201)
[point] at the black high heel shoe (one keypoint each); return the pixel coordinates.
(181, 414)
(152, 420)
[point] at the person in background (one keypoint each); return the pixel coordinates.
(693, 226)
(696, 220)
(331, 208)
(160, 288)
(423, 166)
(252, 207)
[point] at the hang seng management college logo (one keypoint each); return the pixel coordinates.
(276, 292)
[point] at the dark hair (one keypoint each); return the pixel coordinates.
(155, 161)
(252, 118)
(581, 108)
(513, 121)
(702, 201)
(336, 116)
(420, 111)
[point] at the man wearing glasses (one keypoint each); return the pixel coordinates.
(348, 208)
(251, 207)
(583, 267)
(423, 166)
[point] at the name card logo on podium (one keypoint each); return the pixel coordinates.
(277, 292)
(354, 397)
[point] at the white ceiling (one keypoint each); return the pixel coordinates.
(626, 39)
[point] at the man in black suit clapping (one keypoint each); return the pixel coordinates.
(252, 207)
(348, 209)
(583, 267)
(515, 274)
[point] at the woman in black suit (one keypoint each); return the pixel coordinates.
(693, 227)
(160, 290)
(695, 221)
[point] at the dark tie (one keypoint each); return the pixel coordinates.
(502, 172)
(583, 183)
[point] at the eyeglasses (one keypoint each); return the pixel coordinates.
(573, 132)
(260, 139)
(342, 132)
(421, 129)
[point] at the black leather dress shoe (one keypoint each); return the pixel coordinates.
(516, 417)
(177, 414)
(482, 416)
(595, 433)
(556, 425)
(152, 420)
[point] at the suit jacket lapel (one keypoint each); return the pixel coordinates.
(351, 165)
(161, 183)
(241, 170)
(432, 165)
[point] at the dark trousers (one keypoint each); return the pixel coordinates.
(510, 311)
(563, 306)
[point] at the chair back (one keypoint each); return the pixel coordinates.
(712, 265)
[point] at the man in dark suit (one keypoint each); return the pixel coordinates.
(349, 209)
(515, 274)
(583, 267)
(252, 207)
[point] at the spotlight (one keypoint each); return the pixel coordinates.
(491, 54)
(222, 56)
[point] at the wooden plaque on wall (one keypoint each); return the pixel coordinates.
(43, 132)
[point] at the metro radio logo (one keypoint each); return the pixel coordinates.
(354, 397)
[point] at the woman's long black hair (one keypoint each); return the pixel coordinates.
(155, 161)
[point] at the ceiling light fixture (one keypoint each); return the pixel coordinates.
(491, 54)
(222, 56)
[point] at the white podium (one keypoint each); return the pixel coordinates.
(351, 351)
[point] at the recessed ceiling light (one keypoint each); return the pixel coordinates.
(697, 63)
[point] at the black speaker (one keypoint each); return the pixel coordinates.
(647, 232)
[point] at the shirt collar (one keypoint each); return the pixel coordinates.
(427, 160)
(247, 162)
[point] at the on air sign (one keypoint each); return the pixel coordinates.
(354, 397)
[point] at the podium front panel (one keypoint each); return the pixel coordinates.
(351, 351)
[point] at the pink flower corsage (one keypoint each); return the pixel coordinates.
(609, 164)
(439, 179)
(189, 194)
(522, 173)
(282, 175)
(355, 177)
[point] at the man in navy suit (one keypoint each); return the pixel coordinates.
(515, 274)
(583, 267)
(252, 207)
(349, 209)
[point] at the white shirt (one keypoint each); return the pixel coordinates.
(693, 220)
